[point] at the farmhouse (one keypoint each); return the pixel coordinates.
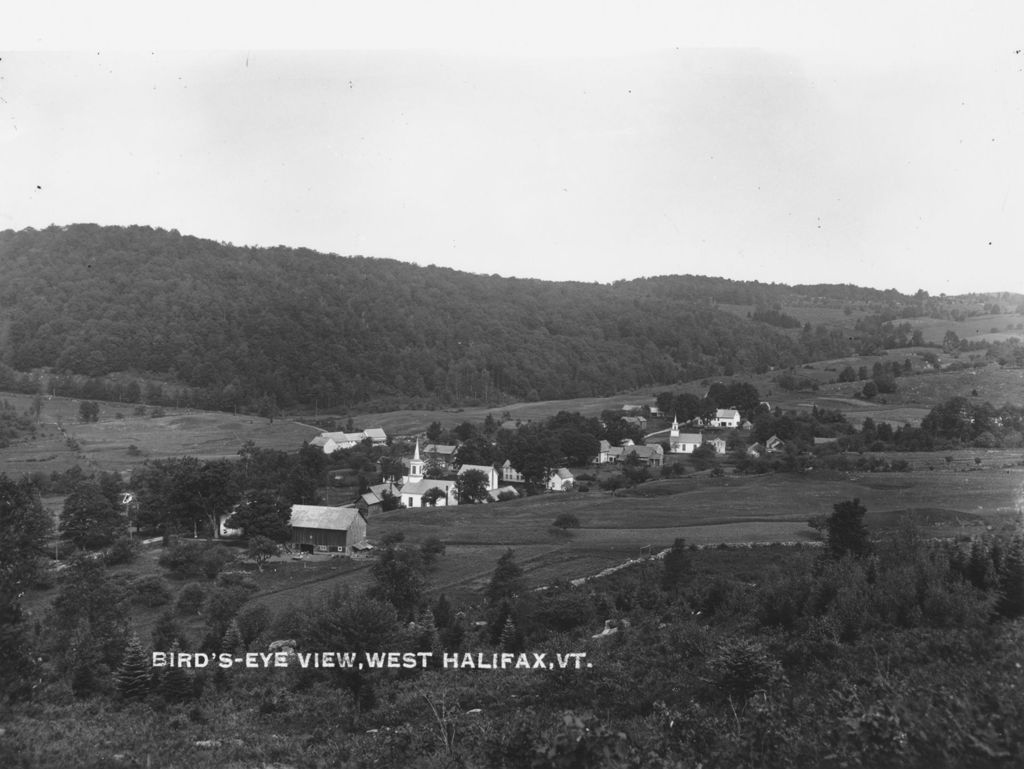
(561, 480)
(331, 442)
(725, 418)
(652, 455)
(510, 475)
(774, 445)
(327, 529)
(683, 443)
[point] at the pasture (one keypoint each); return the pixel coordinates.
(121, 439)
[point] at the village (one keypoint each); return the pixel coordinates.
(433, 475)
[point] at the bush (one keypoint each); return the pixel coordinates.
(190, 600)
(123, 550)
(566, 521)
(151, 591)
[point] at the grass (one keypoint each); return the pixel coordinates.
(106, 444)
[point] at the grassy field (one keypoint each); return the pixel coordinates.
(107, 444)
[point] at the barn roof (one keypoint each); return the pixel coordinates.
(318, 517)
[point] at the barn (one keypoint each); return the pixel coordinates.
(317, 529)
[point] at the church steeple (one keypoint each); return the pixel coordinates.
(675, 427)
(416, 465)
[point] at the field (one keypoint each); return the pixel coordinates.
(107, 444)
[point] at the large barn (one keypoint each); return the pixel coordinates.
(317, 529)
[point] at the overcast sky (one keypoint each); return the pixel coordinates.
(877, 144)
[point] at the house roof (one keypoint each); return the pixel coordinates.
(485, 469)
(653, 450)
(688, 438)
(318, 517)
(425, 485)
(376, 434)
(370, 498)
(727, 414)
(439, 448)
(563, 472)
(494, 494)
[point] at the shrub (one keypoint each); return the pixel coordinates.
(190, 600)
(123, 550)
(566, 521)
(151, 591)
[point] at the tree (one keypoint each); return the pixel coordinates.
(507, 581)
(178, 494)
(262, 549)
(579, 447)
(566, 521)
(89, 613)
(430, 549)
(89, 411)
(134, 676)
(262, 513)
(845, 532)
(175, 684)
(433, 495)
(471, 487)
(398, 579)
(24, 527)
(675, 566)
(534, 452)
(89, 519)
(1011, 580)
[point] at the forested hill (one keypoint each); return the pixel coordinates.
(240, 324)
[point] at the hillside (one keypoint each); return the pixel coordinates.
(137, 313)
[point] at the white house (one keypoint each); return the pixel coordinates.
(510, 475)
(683, 443)
(331, 442)
(561, 480)
(727, 418)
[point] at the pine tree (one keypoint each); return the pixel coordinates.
(1011, 580)
(232, 642)
(510, 640)
(175, 683)
(133, 677)
(507, 580)
(845, 529)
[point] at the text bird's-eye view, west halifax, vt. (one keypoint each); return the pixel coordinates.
(459, 408)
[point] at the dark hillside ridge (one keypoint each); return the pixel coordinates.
(240, 324)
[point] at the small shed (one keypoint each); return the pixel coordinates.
(318, 529)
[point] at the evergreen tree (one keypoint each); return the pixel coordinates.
(133, 678)
(510, 640)
(1011, 580)
(175, 683)
(232, 642)
(845, 530)
(507, 580)
(166, 631)
(676, 566)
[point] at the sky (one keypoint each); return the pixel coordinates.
(794, 142)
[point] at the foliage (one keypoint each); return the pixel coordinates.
(263, 514)
(23, 530)
(151, 591)
(89, 616)
(845, 531)
(133, 678)
(430, 549)
(89, 519)
(507, 581)
(190, 599)
(261, 550)
(89, 411)
(566, 521)
(398, 579)
(471, 487)
(676, 566)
